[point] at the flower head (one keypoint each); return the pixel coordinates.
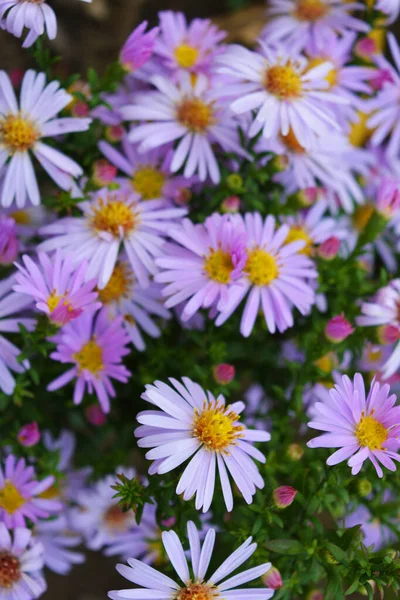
(363, 427)
(138, 48)
(29, 435)
(338, 329)
(20, 494)
(59, 543)
(95, 346)
(193, 422)
(196, 585)
(22, 129)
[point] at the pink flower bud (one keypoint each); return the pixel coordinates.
(80, 109)
(29, 435)
(338, 329)
(284, 496)
(138, 48)
(16, 77)
(224, 373)
(272, 579)
(315, 595)
(95, 415)
(168, 522)
(382, 76)
(182, 196)
(329, 249)
(9, 244)
(103, 173)
(388, 334)
(114, 133)
(309, 196)
(231, 204)
(388, 198)
(366, 48)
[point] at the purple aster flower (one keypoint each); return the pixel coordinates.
(95, 346)
(22, 128)
(37, 16)
(194, 423)
(57, 287)
(112, 218)
(197, 115)
(9, 244)
(148, 172)
(10, 304)
(195, 584)
(138, 48)
(21, 494)
(21, 561)
(275, 276)
(58, 543)
(362, 427)
(287, 92)
(303, 22)
(391, 8)
(203, 263)
(190, 47)
(374, 532)
(123, 296)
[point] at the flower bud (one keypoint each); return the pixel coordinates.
(284, 496)
(364, 487)
(272, 579)
(338, 329)
(103, 173)
(231, 204)
(382, 76)
(170, 522)
(308, 196)
(114, 133)
(138, 48)
(234, 182)
(315, 595)
(95, 415)
(29, 435)
(329, 248)
(366, 48)
(388, 199)
(295, 452)
(224, 373)
(80, 109)
(16, 77)
(388, 334)
(182, 196)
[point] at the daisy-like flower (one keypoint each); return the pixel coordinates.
(385, 107)
(203, 263)
(123, 296)
(194, 584)
(303, 22)
(275, 276)
(11, 304)
(284, 88)
(95, 346)
(58, 543)
(148, 172)
(112, 218)
(384, 312)
(37, 16)
(138, 48)
(57, 287)
(194, 422)
(191, 47)
(97, 515)
(21, 564)
(193, 114)
(20, 494)
(363, 427)
(22, 128)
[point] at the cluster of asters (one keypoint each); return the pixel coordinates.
(318, 100)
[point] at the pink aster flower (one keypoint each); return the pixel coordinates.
(192, 422)
(11, 304)
(382, 312)
(37, 16)
(22, 128)
(363, 427)
(192, 114)
(112, 218)
(284, 89)
(29, 435)
(338, 329)
(275, 277)
(57, 287)
(9, 244)
(21, 565)
(95, 346)
(196, 584)
(137, 306)
(138, 48)
(190, 47)
(203, 262)
(302, 22)
(20, 494)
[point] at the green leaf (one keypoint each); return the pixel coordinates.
(337, 553)
(353, 587)
(290, 547)
(370, 591)
(334, 589)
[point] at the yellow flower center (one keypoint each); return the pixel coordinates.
(10, 498)
(148, 182)
(195, 115)
(116, 518)
(156, 548)
(311, 10)
(362, 216)
(218, 266)
(10, 570)
(18, 134)
(359, 132)
(261, 267)
(327, 363)
(331, 77)
(114, 217)
(298, 233)
(371, 433)
(186, 55)
(21, 217)
(291, 142)
(118, 286)
(283, 81)
(196, 591)
(374, 355)
(215, 427)
(51, 492)
(90, 358)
